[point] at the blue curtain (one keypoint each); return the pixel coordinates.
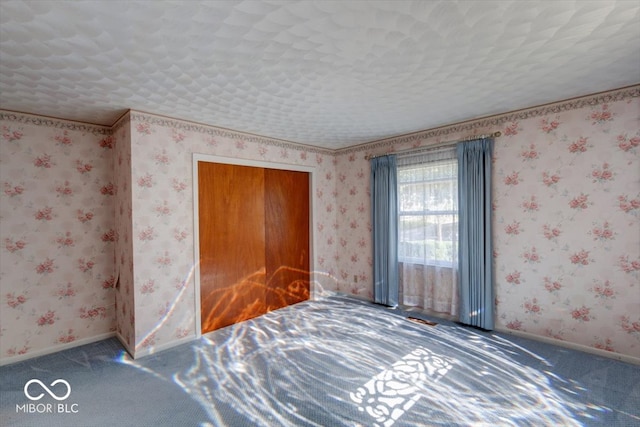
(475, 256)
(384, 208)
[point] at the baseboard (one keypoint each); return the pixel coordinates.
(345, 294)
(156, 349)
(573, 346)
(566, 344)
(55, 349)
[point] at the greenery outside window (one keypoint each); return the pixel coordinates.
(428, 211)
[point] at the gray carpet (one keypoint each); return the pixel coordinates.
(332, 362)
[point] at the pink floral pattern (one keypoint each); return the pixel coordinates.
(551, 233)
(552, 286)
(154, 227)
(548, 124)
(579, 145)
(93, 312)
(47, 319)
(513, 228)
(585, 227)
(66, 337)
(550, 180)
(53, 213)
(513, 277)
(626, 143)
(602, 174)
(12, 190)
(531, 306)
(566, 207)
(580, 202)
(14, 301)
(601, 114)
(582, 314)
(10, 135)
(12, 246)
(629, 206)
(43, 161)
(44, 214)
(567, 224)
(580, 258)
(45, 267)
(604, 291)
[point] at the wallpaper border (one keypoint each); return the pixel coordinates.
(52, 122)
(185, 125)
(499, 119)
(455, 128)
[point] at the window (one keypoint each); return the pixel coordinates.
(428, 209)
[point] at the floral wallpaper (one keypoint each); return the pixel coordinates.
(57, 234)
(162, 221)
(566, 212)
(353, 203)
(124, 262)
(97, 227)
(97, 223)
(567, 221)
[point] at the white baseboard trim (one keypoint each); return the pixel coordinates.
(346, 294)
(566, 344)
(156, 349)
(56, 348)
(152, 350)
(573, 346)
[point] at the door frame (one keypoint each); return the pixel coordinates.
(197, 157)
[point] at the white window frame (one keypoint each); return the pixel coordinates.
(425, 212)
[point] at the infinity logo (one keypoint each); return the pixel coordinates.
(45, 388)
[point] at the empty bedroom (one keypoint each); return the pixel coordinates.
(320, 213)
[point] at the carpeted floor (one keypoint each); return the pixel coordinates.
(336, 361)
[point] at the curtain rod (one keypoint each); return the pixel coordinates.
(441, 144)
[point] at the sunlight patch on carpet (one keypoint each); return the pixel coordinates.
(392, 392)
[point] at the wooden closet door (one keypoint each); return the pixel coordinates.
(231, 208)
(287, 237)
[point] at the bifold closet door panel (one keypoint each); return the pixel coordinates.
(231, 207)
(287, 237)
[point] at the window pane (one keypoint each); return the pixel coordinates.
(428, 216)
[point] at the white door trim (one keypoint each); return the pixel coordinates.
(197, 157)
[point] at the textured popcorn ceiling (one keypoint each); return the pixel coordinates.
(331, 74)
